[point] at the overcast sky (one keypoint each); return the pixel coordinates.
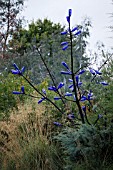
(56, 10)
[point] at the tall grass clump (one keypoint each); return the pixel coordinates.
(24, 143)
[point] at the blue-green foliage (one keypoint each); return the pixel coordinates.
(87, 144)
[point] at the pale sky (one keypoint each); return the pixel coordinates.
(56, 10)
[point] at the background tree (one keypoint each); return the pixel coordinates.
(41, 40)
(9, 22)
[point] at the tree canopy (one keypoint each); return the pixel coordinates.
(9, 22)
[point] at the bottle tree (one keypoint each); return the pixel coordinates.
(77, 93)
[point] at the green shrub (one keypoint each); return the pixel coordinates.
(87, 146)
(8, 101)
